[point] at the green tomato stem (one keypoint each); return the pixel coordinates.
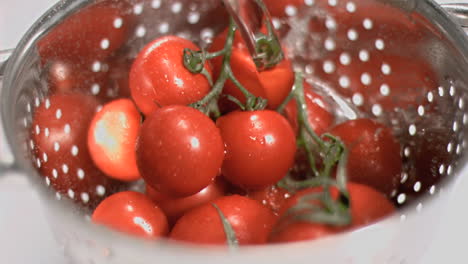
(231, 238)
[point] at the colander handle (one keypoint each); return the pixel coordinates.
(6, 158)
(460, 12)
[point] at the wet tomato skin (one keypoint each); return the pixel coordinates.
(250, 220)
(132, 213)
(179, 151)
(273, 84)
(367, 206)
(318, 112)
(260, 148)
(175, 207)
(158, 76)
(112, 139)
(374, 153)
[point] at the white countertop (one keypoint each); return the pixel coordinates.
(25, 235)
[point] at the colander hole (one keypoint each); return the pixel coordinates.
(364, 55)
(105, 44)
(65, 168)
(176, 7)
(47, 180)
(330, 44)
(465, 118)
(401, 199)
(330, 23)
(344, 81)
(74, 150)
(84, 197)
(377, 110)
(290, 10)
(67, 128)
(407, 152)
(55, 173)
(56, 146)
(329, 67)
(366, 79)
(38, 162)
(28, 108)
(430, 97)
(404, 177)
(452, 90)
(95, 89)
(351, 7)
(449, 170)
(417, 186)
(358, 99)
(138, 9)
(193, 17)
(100, 190)
(46, 132)
(402, 218)
(309, 2)
(58, 196)
(419, 207)
(455, 126)
(367, 23)
(379, 44)
(31, 144)
(276, 23)
(309, 69)
(25, 122)
(449, 147)
(458, 150)
(345, 58)
(58, 113)
(432, 190)
(45, 158)
(441, 91)
(140, 31)
(71, 193)
(80, 173)
(332, 2)
(352, 34)
(461, 103)
(163, 28)
(412, 129)
(37, 102)
(207, 35)
(386, 69)
(156, 4)
(38, 130)
(47, 103)
(118, 22)
(421, 110)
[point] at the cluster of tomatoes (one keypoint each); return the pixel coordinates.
(227, 153)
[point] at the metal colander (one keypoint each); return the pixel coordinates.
(403, 63)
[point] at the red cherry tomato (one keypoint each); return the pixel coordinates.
(112, 138)
(91, 34)
(318, 114)
(179, 151)
(158, 76)
(367, 206)
(174, 208)
(272, 197)
(374, 153)
(260, 148)
(250, 220)
(59, 134)
(273, 84)
(132, 213)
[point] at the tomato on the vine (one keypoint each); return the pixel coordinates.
(250, 220)
(318, 112)
(367, 205)
(158, 76)
(175, 207)
(112, 137)
(132, 213)
(374, 155)
(260, 148)
(179, 151)
(273, 84)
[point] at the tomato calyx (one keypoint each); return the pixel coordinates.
(194, 60)
(231, 238)
(268, 47)
(319, 207)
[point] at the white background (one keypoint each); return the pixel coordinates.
(25, 235)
